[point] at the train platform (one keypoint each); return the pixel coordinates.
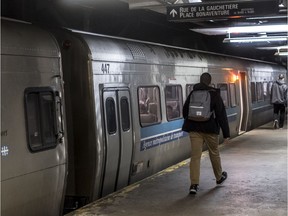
(256, 163)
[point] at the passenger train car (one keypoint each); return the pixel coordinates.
(33, 148)
(84, 115)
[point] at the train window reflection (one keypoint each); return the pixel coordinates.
(259, 88)
(174, 102)
(269, 88)
(111, 115)
(224, 93)
(265, 91)
(149, 105)
(125, 114)
(40, 113)
(253, 92)
(232, 87)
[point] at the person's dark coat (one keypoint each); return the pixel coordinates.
(279, 92)
(217, 121)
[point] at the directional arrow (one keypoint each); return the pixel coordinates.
(173, 13)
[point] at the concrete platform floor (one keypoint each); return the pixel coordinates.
(256, 163)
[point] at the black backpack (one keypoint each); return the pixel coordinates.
(200, 106)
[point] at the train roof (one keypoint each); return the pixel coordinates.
(26, 40)
(118, 49)
(88, 35)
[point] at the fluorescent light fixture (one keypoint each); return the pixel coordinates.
(253, 39)
(281, 4)
(146, 3)
(257, 29)
(272, 48)
(243, 29)
(281, 53)
(211, 31)
(266, 17)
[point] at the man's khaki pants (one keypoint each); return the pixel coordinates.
(212, 141)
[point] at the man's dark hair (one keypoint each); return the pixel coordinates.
(205, 78)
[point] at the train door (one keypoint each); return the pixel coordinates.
(244, 112)
(119, 139)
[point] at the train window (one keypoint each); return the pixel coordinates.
(224, 93)
(259, 88)
(265, 91)
(189, 88)
(174, 102)
(111, 118)
(125, 116)
(253, 92)
(40, 113)
(270, 87)
(149, 105)
(232, 87)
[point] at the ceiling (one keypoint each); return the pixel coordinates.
(160, 6)
(260, 30)
(148, 20)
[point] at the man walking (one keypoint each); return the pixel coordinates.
(206, 132)
(279, 101)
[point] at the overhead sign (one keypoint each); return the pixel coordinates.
(220, 10)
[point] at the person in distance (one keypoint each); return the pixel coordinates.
(279, 101)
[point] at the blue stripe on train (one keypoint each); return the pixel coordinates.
(161, 128)
(159, 134)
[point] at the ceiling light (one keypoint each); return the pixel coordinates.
(253, 39)
(257, 29)
(266, 17)
(273, 48)
(244, 29)
(281, 53)
(281, 4)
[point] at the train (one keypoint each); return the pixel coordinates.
(84, 115)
